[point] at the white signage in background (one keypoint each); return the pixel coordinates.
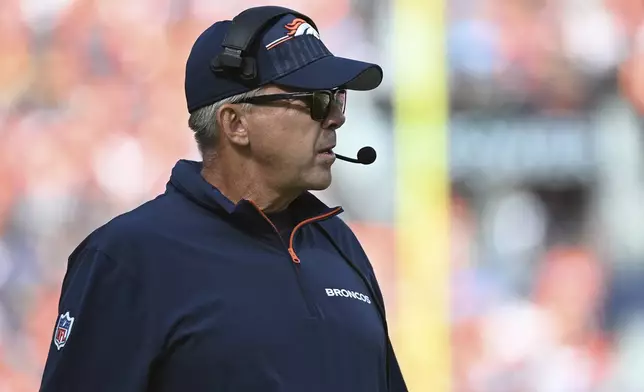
(521, 148)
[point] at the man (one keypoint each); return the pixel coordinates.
(236, 278)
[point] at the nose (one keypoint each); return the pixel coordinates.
(335, 119)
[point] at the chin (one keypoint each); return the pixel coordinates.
(319, 187)
(319, 182)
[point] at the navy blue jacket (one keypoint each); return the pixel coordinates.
(190, 292)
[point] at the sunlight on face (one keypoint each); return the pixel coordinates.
(288, 145)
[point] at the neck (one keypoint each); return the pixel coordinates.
(245, 180)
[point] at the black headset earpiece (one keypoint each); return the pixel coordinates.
(242, 33)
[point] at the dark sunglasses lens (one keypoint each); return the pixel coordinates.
(322, 101)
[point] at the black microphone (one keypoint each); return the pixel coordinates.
(366, 156)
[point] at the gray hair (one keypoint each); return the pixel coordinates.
(203, 121)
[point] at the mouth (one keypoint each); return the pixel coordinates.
(327, 151)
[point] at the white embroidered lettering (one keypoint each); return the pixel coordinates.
(348, 294)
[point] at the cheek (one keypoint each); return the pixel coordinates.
(287, 139)
(274, 146)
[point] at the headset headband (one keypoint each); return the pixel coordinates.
(242, 33)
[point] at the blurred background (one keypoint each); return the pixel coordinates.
(546, 170)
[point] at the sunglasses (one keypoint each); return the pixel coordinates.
(319, 102)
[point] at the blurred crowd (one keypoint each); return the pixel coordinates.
(548, 269)
(548, 292)
(543, 56)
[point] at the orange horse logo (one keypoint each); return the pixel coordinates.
(296, 28)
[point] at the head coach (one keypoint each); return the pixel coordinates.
(236, 278)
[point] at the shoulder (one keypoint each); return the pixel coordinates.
(123, 249)
(147, 228)
(345, 238)
(338, 227)
(126, 230)
(165, 228)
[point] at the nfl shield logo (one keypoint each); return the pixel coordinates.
(63, 329)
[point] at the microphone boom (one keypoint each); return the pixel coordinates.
(366, 156)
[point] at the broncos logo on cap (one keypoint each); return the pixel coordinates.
(300, 27)
(296, 28)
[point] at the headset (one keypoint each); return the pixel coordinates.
(236, 59)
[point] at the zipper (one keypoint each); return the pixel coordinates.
(291, 249)
(310, 305)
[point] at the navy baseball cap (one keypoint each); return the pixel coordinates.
(290, 54)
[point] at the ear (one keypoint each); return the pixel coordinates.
(232, 125)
